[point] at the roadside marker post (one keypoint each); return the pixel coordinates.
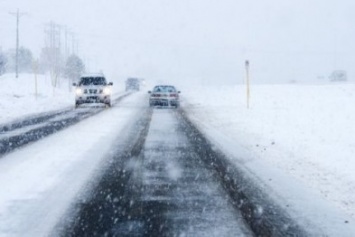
(247, 81)
(35, 70)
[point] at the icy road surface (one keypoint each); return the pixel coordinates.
(162, 188)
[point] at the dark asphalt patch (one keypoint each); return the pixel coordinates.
(31, 120)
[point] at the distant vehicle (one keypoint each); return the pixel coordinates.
(132, 84)
(338, 75)
(93, 88)
(164, 95)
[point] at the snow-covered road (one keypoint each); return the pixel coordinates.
(162, 188)
(295, 142)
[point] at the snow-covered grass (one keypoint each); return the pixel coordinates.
(19, 98)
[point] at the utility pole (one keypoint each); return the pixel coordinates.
(17, 15)
(35, 70)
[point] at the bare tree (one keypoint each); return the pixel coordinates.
(3, 61)
(74, 67)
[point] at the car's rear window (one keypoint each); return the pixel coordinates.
(164, 89)
(84, 81)
(132, 80)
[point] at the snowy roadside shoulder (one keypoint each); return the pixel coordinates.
(24, 96)
(290, 141)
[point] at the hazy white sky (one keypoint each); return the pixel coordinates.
(202, 40)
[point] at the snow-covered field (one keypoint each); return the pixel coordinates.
(306, 130)
(293, 139)
(296, 140)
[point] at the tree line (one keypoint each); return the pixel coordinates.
(48, 62)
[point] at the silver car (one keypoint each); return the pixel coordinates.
(93, 88)
(164, 95)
